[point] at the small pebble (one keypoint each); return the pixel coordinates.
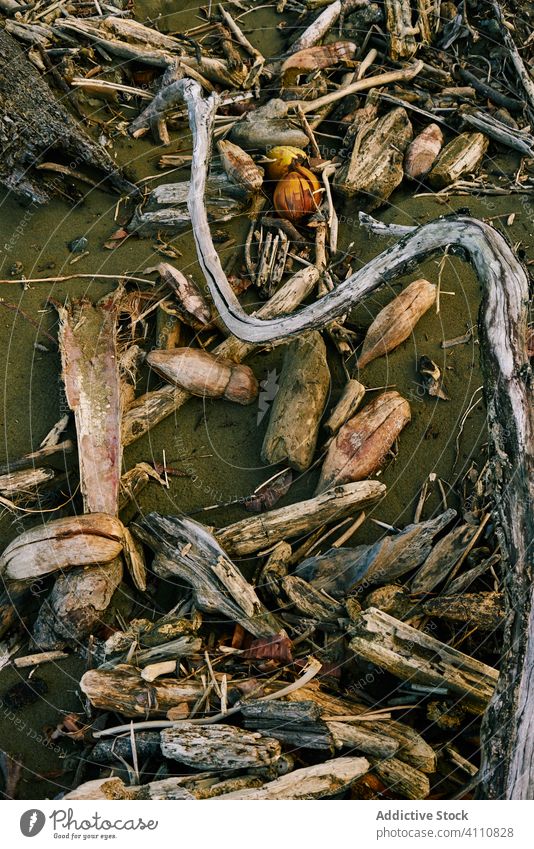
(78, 245)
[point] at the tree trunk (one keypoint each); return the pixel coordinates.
(33, 123)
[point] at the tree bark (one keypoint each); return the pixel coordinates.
(33, 123)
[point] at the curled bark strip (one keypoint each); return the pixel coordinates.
(508, 731)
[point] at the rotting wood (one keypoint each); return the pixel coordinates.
(411, 654)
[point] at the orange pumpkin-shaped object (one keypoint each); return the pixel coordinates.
(297, 194)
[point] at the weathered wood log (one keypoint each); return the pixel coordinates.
(346, 407)
(320, 781)
(166, 206)
(461, 156)
(123, 690)
(411, 654)
(311, 602)
(147, 744)
(358, 737)
(76, 605)
(299, 404)
(442, 559)
(153, 407)
(296, 724)
(362, 444)
(33, 123)
(375, 167)
(88, 345)
(410, 746)
(484, 611)
(25, 480)
(251, 535)
(218, 747)
(487, 124)
(184, 549)
(402, 779)
(402, 32)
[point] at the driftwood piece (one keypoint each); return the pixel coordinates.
(88, 345)
(402, 779)
(461, 156)
(346, 407)
(411, 654)
(410, 746)
(320, 781)
(123, 690)
(402, 32)
(34, 123)
(296, 724)
(299, 403)
(25, 480)
(184, 549)
(147, 744)
(218, 747)
(155, 406)
(268, 126)
(376, 164)
(311, 602)
(251, 535)
(76, 605)
(362, 443)
(519, 140)
(484, 611)
(359, 738)
(442, 559)
(35, 457)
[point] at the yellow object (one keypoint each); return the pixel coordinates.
(282, 157)
(297, 194)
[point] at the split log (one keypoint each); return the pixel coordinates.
(320, 781)
(33, 124)
(184, 549)
(251, 535)
(299, 404)
(410, 654)
(124, 691)
(218, 747)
